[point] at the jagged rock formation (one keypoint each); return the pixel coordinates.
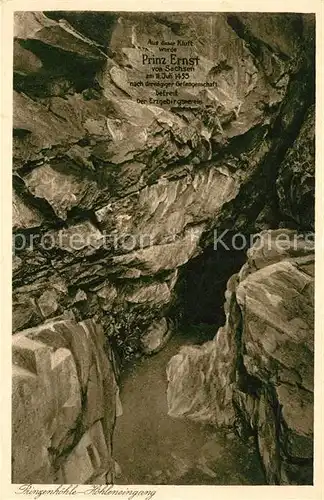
(64, 404)
(139, 186)
(296, 179)
(257, 373)
(113, 197)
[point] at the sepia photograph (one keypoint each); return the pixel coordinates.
(163, 218)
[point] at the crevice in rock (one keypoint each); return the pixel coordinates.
(202, 284)
(177, 301)
(84, 22)
(255, 45)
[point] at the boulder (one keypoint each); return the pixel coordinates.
(259, 368)
(155, 338)
(53, 372)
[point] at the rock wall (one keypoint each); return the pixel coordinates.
(64, 403)
(256, 375)
(296, 176)
(112, 198)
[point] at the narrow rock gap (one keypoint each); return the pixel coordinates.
(178, 327)
(202, 285)
(150, 446)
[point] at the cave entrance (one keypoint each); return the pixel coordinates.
(202, 286)
(150, 446)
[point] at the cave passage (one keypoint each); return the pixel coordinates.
(153, 448)
(203, 284)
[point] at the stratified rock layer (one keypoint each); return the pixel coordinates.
(63, 404)
(113, 197)
(258, 370)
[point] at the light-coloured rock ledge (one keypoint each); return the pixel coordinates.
(64, 397)
(258, 370)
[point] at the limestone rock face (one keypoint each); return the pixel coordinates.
(24, 216)
(201, 378)
(258, 370)
(296, 179)
(37, 26)
(63, 404)
(114, 195)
